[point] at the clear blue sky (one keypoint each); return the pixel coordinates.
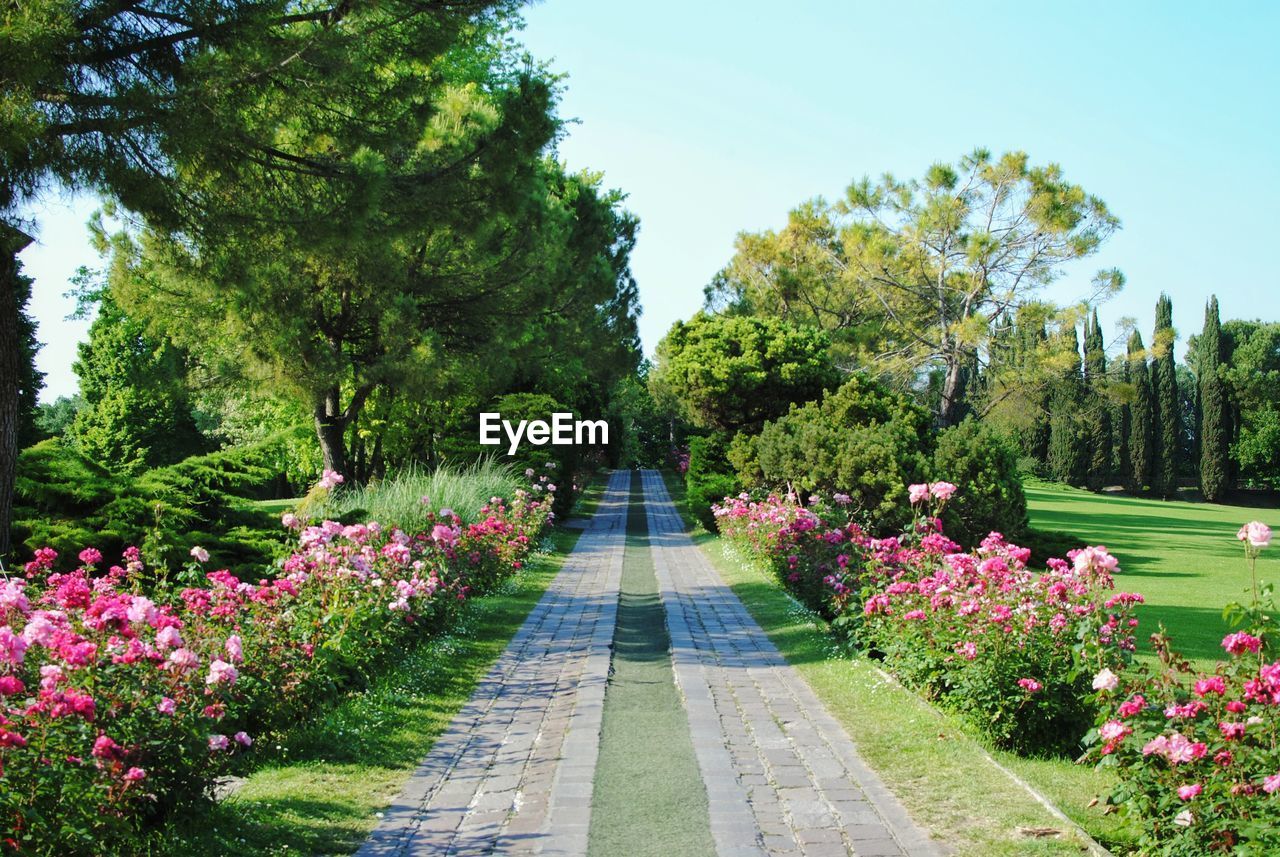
(720, 116)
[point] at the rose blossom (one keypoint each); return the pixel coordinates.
(219, 742)
(942, 490)
(166, 706)
(1105, 680)
(199, 554)
(1189, 791)
(918, 493)
(1240, 642)
(243, 739)
(1255, 533)
(221, 672)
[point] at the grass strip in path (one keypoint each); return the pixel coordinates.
(649, 798)
(940, 772)
(323, 792)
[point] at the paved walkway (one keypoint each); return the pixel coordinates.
(782, 776)
(513, 773)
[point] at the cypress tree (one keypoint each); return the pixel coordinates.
(1166, 405)
(1097, 409)
(1141, 430)
(1215, 431)
(1122, 426)
(1068, 458)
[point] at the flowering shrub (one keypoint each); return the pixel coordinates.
(118, 704)
(1198, 754)
(1009, 649)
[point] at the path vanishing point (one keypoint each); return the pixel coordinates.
(641, 710)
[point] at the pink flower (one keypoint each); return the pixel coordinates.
(166, 705)
(183, 660)
(106, 749)
(218, 742)
(1256, 534)
(1114, 730)
(134, 774)
(221, 672)
(1030, 685)
(1105, 680)
(1179, 750)
(11, 685)
(1133, 705)
(90, 556)
(290, 521)
(235, 649)
(168, 637)
(918, 493)
(1271, 784)
(942, 491)
(1189, 791)
(12, 646)
(443, 535)
(1231, 731)
(1095, 558)
(199, 554)
(243, 739)
(330, 479)
(1212, 684)
(1240, 642)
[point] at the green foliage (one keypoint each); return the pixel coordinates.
(53, 419)
(984, 464)
(1166, 406)
(1097, 411)
(66, 501)
(30, 379)
(1142, 432)
(1068, 454)
(733, 372)
(710, 478)
(915, 274)
(414, 497)
(136, 411)
(862, 439)
(1252, 379)
(639, 431)
(1215, 428)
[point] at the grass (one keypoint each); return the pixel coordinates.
(1183, 557)
(325, 784)
(640, 808)
(398, 500)
(942, 773)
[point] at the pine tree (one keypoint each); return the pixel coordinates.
(1097, 408)
(1141, 432)
(1215, 431)
(1068, 458)
(1167, 407)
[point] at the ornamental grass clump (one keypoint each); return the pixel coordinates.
(1197, 754)
(120, 704)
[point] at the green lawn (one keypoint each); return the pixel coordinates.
(1183, 557)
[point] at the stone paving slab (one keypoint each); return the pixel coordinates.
(782, 775)
(513, 772)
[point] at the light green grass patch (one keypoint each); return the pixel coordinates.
(1183, 557)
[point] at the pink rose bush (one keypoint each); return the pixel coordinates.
(120, 704)
(1011, 650)
(1197, 754)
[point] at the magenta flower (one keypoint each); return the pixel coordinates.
(1030, 685)
(1188, 792)
(12, 646)
(90, 556)
(166, 706)
(1241, 642)
(218, 743)
(1271, 784)
(133, 775)
(243, 739)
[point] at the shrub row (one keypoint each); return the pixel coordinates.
(121, 702)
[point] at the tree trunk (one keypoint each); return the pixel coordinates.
(11, 242)
(331, 430)
(949, 411)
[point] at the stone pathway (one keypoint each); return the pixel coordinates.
(782, 776)
(513, 773)
(515, 770)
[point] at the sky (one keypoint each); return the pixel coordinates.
(718, 117)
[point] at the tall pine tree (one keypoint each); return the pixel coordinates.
(1068, 457)
(1167, 406)
(1142, 426)
(1097, 406)
(1215, 428)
